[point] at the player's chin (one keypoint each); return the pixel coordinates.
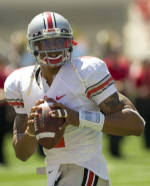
(50, 68)
(54, 69)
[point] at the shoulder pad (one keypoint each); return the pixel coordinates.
(88, 65)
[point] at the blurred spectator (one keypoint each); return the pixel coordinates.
(144, 7)
(81, 48)
(136, 31)
(140, 76)
(136, 42)
(118, 65)
(6, 112)
(107, 42)
(19, 42)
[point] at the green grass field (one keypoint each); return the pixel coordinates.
(132, 170)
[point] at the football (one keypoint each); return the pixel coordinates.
(48, 130)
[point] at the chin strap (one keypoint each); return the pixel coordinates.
(84, 83)
(78, 75)
(31, 79)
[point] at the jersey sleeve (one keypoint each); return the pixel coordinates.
(13, 93)
(100, 84)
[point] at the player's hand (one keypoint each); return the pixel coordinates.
(33, 114)
(71, 116)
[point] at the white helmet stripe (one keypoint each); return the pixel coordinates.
(49, 20)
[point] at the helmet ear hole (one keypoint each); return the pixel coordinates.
(70, 49)
(36, 53)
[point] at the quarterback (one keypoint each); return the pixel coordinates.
(84, 91)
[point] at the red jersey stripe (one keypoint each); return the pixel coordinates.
(99, 87)
(90, 180)
(49, 20)
(16, 103)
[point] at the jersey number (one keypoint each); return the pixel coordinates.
(61, 143)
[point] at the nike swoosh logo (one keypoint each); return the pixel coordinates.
(59, 97)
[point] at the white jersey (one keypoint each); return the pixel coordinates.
(79, 146)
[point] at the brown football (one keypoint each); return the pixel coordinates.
(48, 130)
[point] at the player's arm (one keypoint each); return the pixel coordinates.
(24, 141)
(2, 96)
(118, 116)
(121, 117)
(24, 145)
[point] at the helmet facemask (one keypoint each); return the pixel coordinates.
(52, 47)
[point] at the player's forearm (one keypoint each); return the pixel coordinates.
(24, 146)
(2, 96)
(124, 123)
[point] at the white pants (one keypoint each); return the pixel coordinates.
(73, 175)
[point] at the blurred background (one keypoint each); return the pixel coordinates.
(88, 16)
(116, 31)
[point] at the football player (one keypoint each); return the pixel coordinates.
(85, 93)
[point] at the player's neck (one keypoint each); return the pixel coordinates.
(49, 74)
